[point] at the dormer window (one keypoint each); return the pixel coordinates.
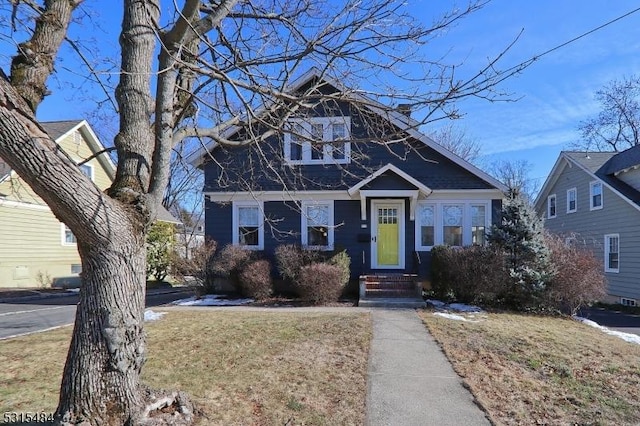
(318, 140)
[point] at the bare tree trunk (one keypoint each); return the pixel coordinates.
(107, 347)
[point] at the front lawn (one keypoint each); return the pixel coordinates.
(539, 370)
(240, 367)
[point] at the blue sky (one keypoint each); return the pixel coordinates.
(553, 95)
(556, 92)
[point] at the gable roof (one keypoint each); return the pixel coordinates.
(390, 167)
(395, 117)
(602, 166)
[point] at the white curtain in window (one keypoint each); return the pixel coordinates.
(248, 216)
(318, 215)
(452, 215)
(478, 217)
(427, 217)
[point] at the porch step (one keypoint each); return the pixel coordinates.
(392, 302)
(399, 290)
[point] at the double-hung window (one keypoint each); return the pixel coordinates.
(67, 236)
(595, 195)
(612, 253)
(318, 140)
(248, 224)
(478, 224)
(452, 223)
(572, 200)
(452, 216)
(427, 225)
(317, 225)
(551, 206)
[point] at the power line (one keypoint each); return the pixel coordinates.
(573, 40)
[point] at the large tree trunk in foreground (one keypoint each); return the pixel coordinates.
(107, 347)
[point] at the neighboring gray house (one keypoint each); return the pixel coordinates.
(384, 192)
(593, 199)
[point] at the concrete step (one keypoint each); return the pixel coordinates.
(392, 302)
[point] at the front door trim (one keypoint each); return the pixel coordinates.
(394, 203)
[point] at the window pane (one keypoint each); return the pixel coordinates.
(338, 131)
(317, 146)
(86, 169)
(427, 236)
(296, 142)
(596, 195)
(427, 215)
(248, 216)
(248, 235)
(452, 215)
(318, 215)
(478, 217)
(68, 236)
(318, 235)
(477, 235)
(453, 235)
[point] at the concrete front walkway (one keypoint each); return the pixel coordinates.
(410, 380)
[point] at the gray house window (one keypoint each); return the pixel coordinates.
(612, 253)
(595, 195)
(572, 200)
(551, 206)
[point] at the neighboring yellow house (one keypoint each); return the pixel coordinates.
(36, 249)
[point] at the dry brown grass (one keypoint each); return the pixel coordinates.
(240, 368)
(538, 370)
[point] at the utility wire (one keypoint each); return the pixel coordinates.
(534, 58)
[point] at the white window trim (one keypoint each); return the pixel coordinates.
(63, 237)
(439, 225)
(305, 229)
(575, 196)
(235, 221)
(306, 145)
(555, 206)
(607, 237)
(591, 185)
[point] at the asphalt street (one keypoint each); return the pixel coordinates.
(627, 323)
(27, 317)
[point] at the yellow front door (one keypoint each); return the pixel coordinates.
(388, 237)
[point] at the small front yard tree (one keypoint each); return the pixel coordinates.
(520, 237)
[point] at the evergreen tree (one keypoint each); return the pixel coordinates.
(520, 237)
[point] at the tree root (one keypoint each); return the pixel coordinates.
(167, 408)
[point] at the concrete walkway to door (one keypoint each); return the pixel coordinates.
(410, 380)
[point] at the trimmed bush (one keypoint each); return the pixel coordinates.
(290, 258)
(255, 279)
(578, 278)
(229, 262)
(197, 269)
(320, 283)
(471, 275)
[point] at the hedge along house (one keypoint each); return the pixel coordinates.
(345, 172)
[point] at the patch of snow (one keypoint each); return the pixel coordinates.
(73, 290)
(435, 303)
(150, 315)
(211, 300)
(628, 337)
(450, 316)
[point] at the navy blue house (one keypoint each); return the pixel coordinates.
(345, 173)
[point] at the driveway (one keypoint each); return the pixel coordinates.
(615, 320)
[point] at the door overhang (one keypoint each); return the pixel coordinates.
(421, 191)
